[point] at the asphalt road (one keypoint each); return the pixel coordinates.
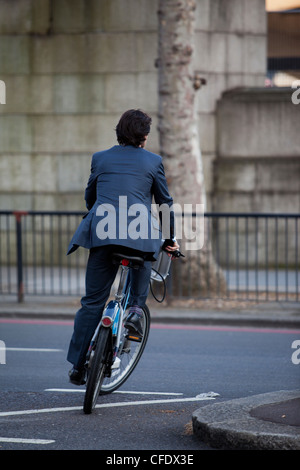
(182, 369)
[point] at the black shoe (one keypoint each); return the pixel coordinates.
(77, 376)
(133, 321)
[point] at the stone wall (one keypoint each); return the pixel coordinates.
(71, 67)
(257, 170)
(258, 157)
(230, 53)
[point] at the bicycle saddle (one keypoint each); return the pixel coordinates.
(132, 261)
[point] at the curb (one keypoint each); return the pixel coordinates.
(230, 425)
(205, 320)
(277, 316)
(167, 316)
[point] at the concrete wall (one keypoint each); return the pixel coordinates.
(71, 67)
(258, 157)
(230, 52)
(257, 170)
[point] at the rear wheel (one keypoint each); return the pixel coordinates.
(96, 372)
(128, 356)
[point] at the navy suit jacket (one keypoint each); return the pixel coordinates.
(119, 195)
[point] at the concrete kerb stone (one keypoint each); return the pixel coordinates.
(230, 425)
(285, 315)
(248, 318)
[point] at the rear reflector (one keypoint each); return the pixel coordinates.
(106, 321)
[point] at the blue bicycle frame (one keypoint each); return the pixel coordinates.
(113, 314)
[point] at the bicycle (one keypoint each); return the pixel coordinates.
(114, 351)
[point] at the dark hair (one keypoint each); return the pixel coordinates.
(132, 128)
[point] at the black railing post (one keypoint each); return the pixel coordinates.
(18, 216)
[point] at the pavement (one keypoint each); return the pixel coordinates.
(269, 421)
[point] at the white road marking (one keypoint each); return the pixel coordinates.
(82, 390)
(109, 405)
(149, 393)
(65, 390)
(34, 349)
(43, 410)
(208, 394)
(25, 441)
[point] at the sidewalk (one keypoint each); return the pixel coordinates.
(269, 421)
(265, 314)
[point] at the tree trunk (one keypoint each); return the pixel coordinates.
(179, 142)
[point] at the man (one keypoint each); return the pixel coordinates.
(122, 183)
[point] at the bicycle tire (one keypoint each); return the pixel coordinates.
(96, 373)
(128, 360)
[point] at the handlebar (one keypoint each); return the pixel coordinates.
(174, 254)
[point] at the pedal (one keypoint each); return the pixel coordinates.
(134, 337)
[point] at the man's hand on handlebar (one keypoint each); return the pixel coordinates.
(171, 247)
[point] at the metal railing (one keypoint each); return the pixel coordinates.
(244, 257)
(251, 257)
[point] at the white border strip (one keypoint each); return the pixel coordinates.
(201, 397)
(73, 390)
(34, 349)
(25, 441)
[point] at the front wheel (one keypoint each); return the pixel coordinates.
(96, 373)
(128, 356)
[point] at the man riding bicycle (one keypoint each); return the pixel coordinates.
(122, 183)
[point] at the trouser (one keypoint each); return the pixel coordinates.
(100, 275)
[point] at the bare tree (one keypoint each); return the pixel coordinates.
(179, 141)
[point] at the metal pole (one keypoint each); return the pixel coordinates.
(18, 216)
